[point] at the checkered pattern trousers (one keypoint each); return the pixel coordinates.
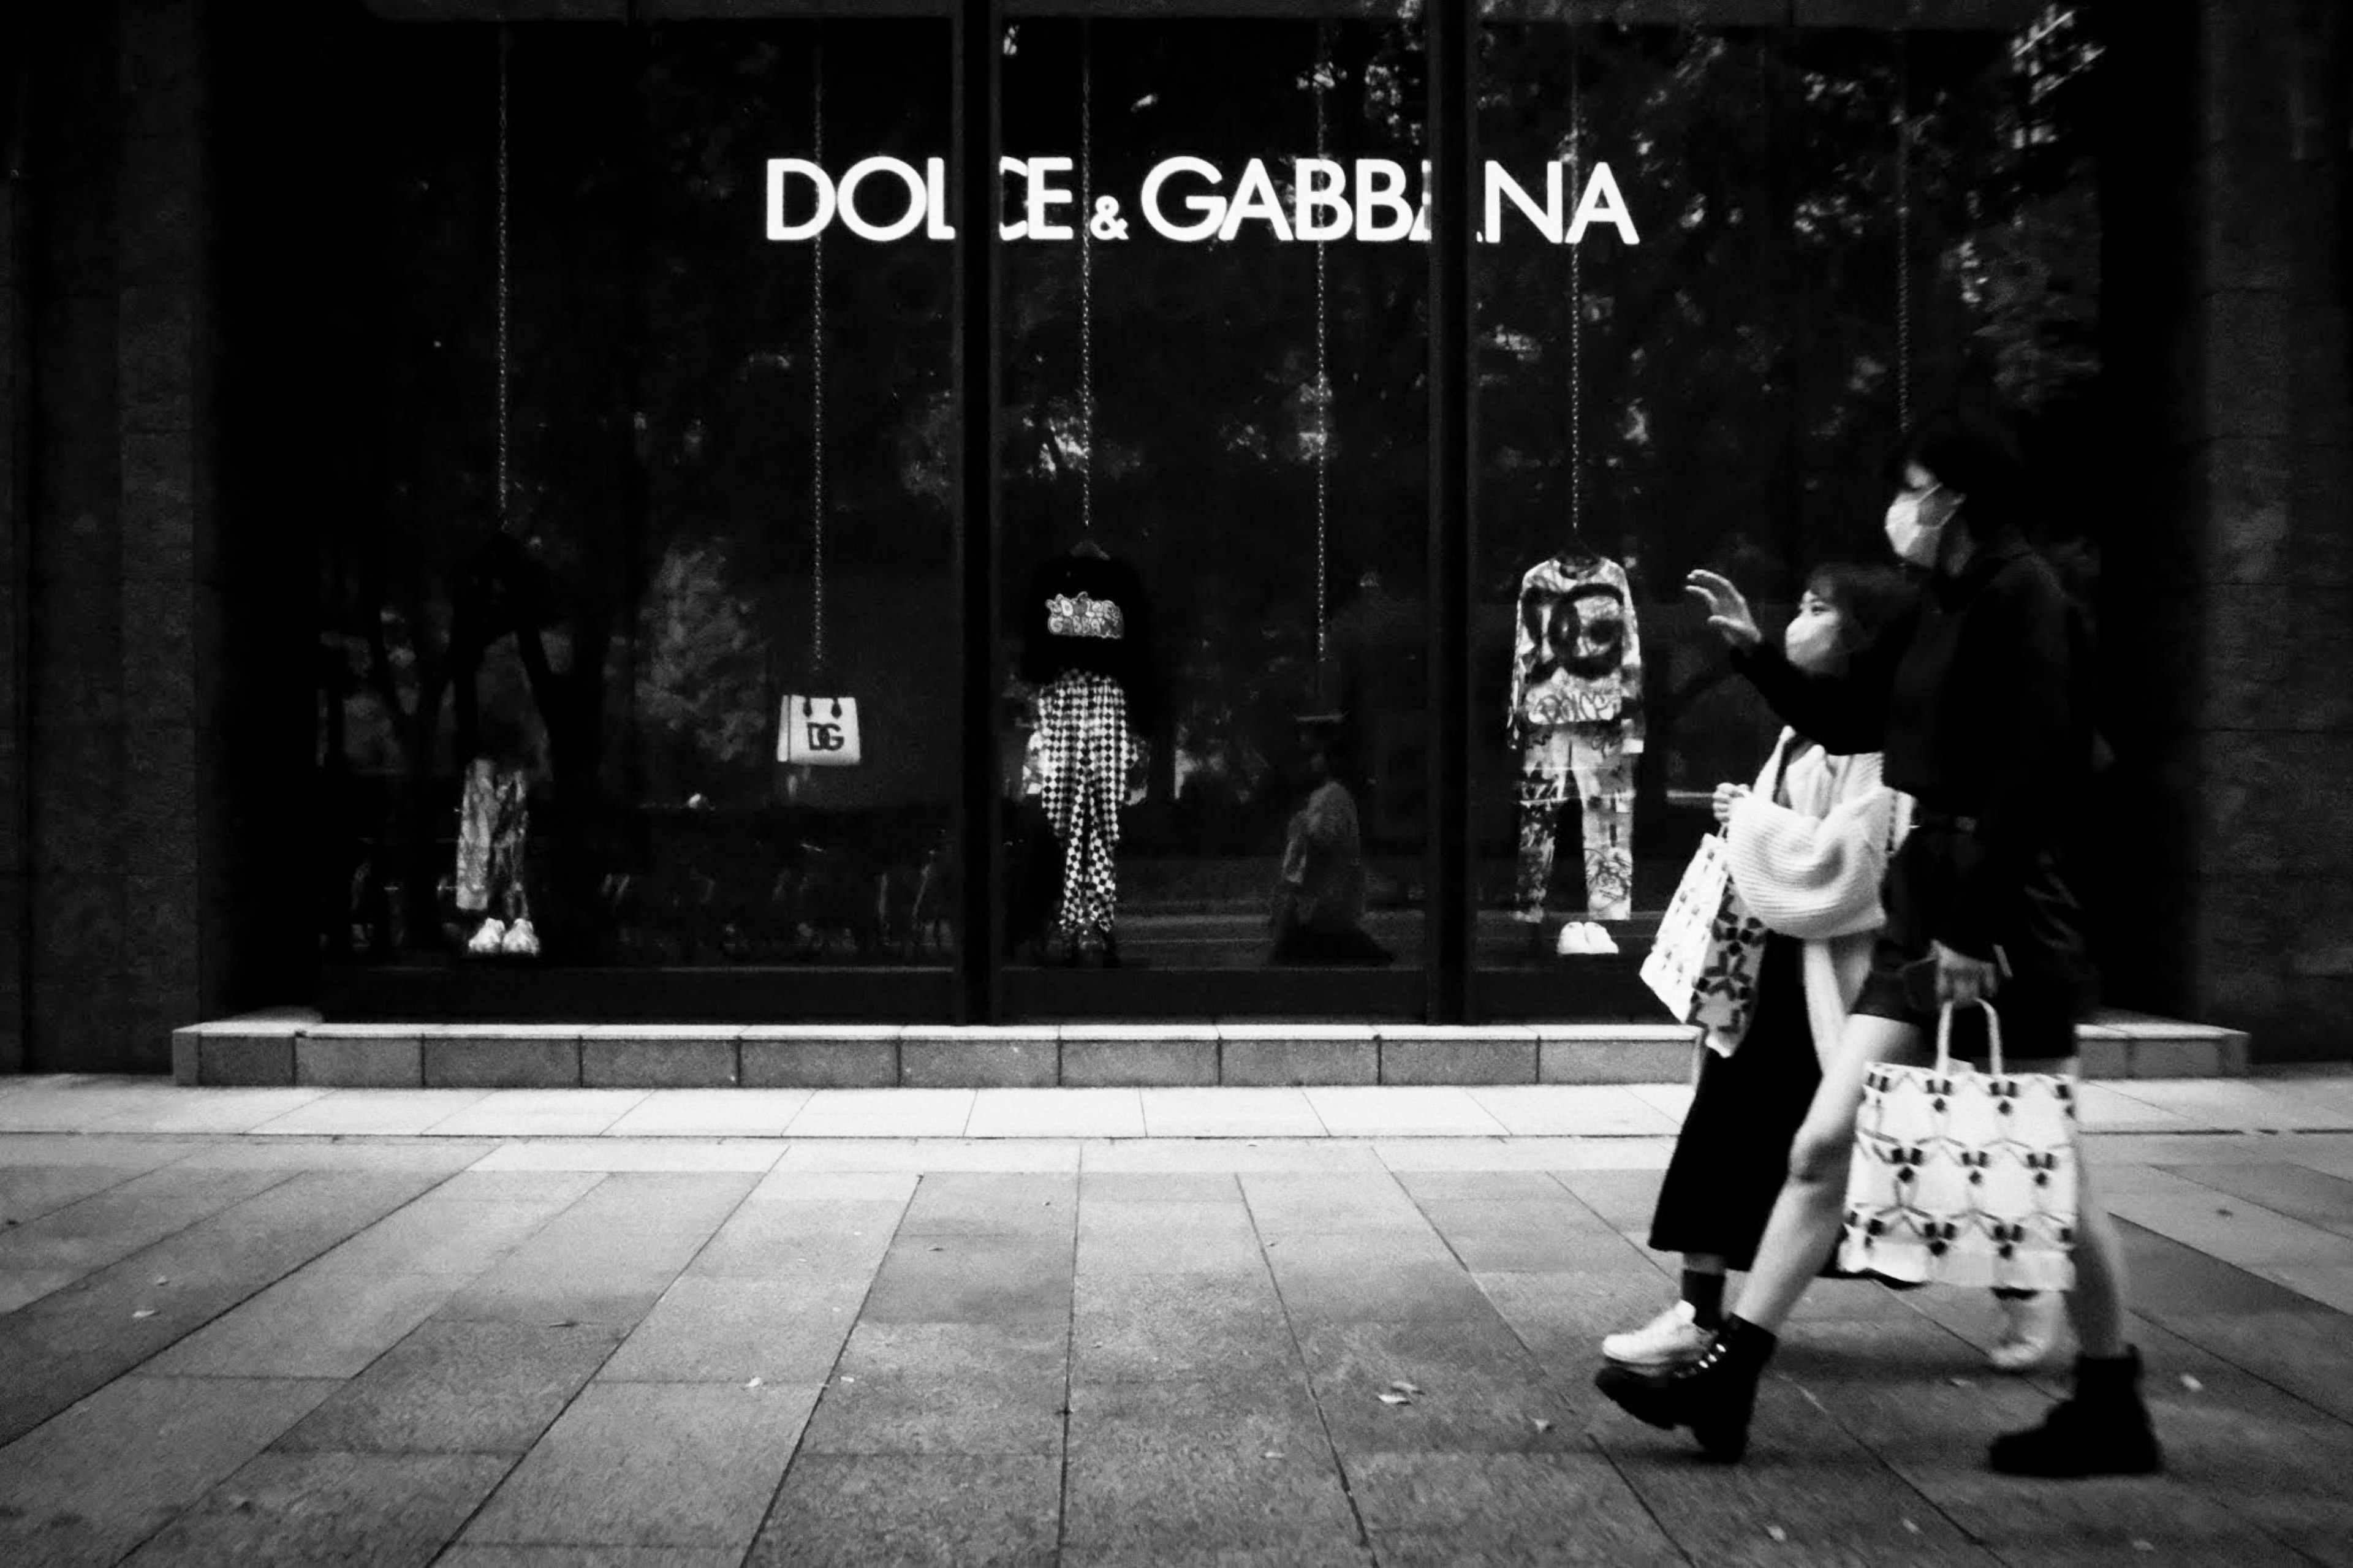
(1085, 749)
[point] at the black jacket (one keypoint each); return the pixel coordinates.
(1109, 635)
(1981, 699)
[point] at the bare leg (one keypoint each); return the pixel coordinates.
(1805, 1219)
(2097, 1305)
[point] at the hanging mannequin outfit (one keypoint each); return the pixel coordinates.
(493, 828)
(1577, 709)
(1087, 647)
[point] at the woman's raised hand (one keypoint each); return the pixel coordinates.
(1727, 612)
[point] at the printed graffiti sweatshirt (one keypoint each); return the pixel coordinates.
(1577, 656)
(1091, 616)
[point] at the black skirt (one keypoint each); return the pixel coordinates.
(1733, 1152)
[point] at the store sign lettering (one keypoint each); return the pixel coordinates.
(1188, 200)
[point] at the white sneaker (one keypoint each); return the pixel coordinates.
(1599, 939)
(2029, 1330)
(521, 941)
(490, 938)
(1574, 940)
(1670, 1339)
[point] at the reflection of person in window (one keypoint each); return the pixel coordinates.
(1319, 898)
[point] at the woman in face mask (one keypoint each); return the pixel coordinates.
(1978, 700)
(1809, 845)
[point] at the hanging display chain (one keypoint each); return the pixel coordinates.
(1575, 299)
(506, 41)
(817, 377)
(1323, 364)
(1086, 277)
(1903, 231)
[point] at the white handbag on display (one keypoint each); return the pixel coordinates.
(1963, 1177)
(819, 733)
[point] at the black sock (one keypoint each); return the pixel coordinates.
(1705, 1294)
(2011, 1293)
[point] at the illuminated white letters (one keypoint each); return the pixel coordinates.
(1212, 208)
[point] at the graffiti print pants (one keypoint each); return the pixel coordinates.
(1593, 758)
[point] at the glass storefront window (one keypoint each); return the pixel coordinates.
(583, 638)
(1234, 416)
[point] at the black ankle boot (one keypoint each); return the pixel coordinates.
(1713, 1396)
(2104, 1430)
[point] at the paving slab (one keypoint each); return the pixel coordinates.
(29, 1192)
(609, 1153)
(454, 1387)
(374, 1112)
(94, 1483)
(795, 1184)
(79, 1339)
(1540, 1235)
(993, 1204)
(1544, 1507)
(22, 1287)
(1193, 1238)
(1470, 1387)
(973, 1280)
(1128, 1327)
(1115, 1187)
(897, 1150)
(949, 1510)
(816, 1237)
(304, 1509)
(1283, 1204)
(316, 1322)
(1229, 1113)
(609, 1256)
(587, 1557)
(1805, 1494)
(703, 1112)
(1356, 1278)
(445, 1236)
(1219, 1466)
(2285, 1188)
(944, 1388)
(733, 1330)
(681, 1464)
(123, 1218)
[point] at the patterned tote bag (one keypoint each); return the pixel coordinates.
(1705, 962)
(1963, 1177)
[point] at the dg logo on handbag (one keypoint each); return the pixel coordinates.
(819, 733)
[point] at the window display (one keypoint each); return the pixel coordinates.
(655, 584)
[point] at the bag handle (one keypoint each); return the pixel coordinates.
(1944, 1036)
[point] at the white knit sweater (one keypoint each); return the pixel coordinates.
(1810, 864)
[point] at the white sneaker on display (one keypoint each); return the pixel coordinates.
(2029, 1330)
(521, 941)
(491, 938)
(1575, 938)
(1600, 940)
(1670, 1339)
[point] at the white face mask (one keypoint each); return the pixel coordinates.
(1812, 640)
(1915, 538)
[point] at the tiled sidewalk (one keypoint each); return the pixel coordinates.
(1073, 1327)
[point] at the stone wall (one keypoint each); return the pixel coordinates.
(2228, 613)
(131, 898)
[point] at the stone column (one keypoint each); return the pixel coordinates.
(2230, 599)
(15, 411)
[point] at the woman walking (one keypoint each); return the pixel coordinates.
(1808, 847)
(1979, 700)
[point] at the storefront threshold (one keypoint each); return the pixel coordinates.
(295, 1047)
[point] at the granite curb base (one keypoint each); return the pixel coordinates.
(284, 1047)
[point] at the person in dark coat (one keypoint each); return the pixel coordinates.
(1979, 701)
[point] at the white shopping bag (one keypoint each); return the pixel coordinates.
(1963, 1177)
(819, 733)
